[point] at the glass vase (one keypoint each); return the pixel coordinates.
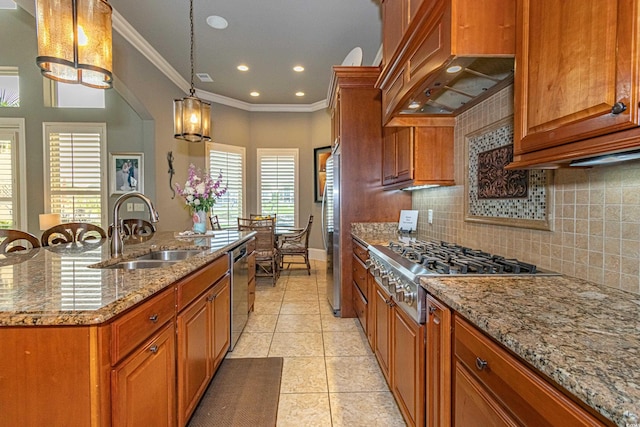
(199, 222)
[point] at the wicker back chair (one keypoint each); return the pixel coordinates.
(296, 245)
(267, 255)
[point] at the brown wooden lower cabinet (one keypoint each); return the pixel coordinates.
(221, 325)
(143, 385)
(203, 340)
(383, 318)
(121, 373)
(493, 385)
(399, 346)
(438, 364)
(407, 366)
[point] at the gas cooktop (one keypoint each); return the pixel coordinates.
(432, 257)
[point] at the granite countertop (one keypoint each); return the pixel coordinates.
(65, 284)
(584, 336)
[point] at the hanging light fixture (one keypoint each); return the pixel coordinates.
(74, 41)
(191, 115)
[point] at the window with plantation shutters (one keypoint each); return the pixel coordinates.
(12, 195)
(278, 184)
(229, 160)
(75, 178)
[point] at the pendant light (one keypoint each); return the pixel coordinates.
(191, 115)
(74, 41)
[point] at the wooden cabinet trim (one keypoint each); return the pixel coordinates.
(439, 332)
(408, 367)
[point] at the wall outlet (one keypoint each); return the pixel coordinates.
(129, 207)
(430, 216)
(138, 207)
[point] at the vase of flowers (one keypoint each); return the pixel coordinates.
(200, 193)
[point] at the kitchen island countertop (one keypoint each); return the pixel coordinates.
(65, 284)
(583, 336)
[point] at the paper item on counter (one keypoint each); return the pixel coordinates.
(190, 233)
(408, 220)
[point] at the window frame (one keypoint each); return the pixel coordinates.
(11, 71)
(17, 125)
(295, 152)
(230, 149)
(77, 127)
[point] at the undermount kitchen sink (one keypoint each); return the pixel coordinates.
(156, 259)
(170, 254)
(137, 264)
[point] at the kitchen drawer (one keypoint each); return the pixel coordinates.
(137, 325)
(360, 306)
(192, 286)
(360, 276)
(360, 251)
(529, 397)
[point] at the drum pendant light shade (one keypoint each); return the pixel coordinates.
(75, 41)
(192, 119)
(192, 115)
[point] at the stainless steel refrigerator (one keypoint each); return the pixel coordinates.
(331, 228)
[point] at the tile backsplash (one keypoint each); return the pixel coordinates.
(595, 214)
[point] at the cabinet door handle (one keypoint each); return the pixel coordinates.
(153, 318)
(432, 309)
(618, 108)
(480, 364)
(153, 349)
(211, 297)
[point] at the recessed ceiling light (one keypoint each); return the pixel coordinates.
(217, 22)
(299, 93)
(255, 93)
(298, 68)
(243, 67)
(454, 69)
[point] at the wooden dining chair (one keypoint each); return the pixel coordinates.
(296, 245)
(267, 255)
(137, 227)
(72, 232)
(16, 240)
(215, 222)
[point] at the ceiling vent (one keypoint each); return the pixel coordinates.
(204, 77)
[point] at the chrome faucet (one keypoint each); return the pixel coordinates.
(116, 233)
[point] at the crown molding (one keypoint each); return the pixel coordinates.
(136, 40)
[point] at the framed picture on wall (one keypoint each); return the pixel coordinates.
(321, 155)
(126, 172)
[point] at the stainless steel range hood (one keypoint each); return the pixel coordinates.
(459, 84)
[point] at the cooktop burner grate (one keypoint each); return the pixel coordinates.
(451, 258)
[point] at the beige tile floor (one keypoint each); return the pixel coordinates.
(330, 375)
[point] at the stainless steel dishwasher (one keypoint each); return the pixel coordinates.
(239, 292)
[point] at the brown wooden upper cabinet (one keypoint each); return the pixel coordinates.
(577, 80)
(424, 38)
(416, 156)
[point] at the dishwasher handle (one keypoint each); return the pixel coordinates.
(239, 253)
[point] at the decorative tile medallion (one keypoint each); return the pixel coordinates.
(496, 182)
(495, 195)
